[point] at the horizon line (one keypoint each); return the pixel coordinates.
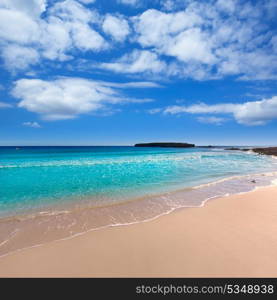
(133, 145)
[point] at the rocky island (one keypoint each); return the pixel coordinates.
(166, 145)
(265, 151)
(240, 149)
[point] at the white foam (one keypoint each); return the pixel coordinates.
(274, 182)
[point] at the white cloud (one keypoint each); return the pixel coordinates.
(129, 2)
(4, 105)
(139, 100)
(31, 124)
(67, 27)
(258, 112)
(248, 113)
(86, 38)
(138, 84)
(136, 62)
(55, 40)
(76, 21)
(156, 28)
(31, 7)
(87, 1)
(211, 120)
(226, 5)
(16, 26)
(192, 45)
(116, 26)
(134, 84)
(168, 5)
(211, 39)
(66, 98)
(19, 57)
(201, 40)
(202, 108)
(72, 11)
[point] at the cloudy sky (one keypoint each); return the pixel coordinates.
(117, 72)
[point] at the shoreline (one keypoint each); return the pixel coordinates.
(61, 208)
(224, 228)
(134, 211)
(20, 228)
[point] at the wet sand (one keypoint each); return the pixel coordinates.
(234, 236)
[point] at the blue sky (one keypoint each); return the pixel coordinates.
(118, 72)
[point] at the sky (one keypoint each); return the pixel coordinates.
(119, 72)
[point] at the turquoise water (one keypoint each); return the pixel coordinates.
(33, 178)
(52, 193)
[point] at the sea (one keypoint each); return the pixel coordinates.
(50, 193)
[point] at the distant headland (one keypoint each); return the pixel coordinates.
(266, 151)
(166, 145)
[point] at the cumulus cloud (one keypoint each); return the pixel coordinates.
(177, 35)
(56, 40)
(18, 27)
(248, 113)
(30, 7)
(76, 22)
(154, 28)
(67, 27)
(66, 98)
(116, 26)
(19, 57)
(70, 11)
(211, 39)
(86, 38)
(192, 45)
(201, 40)
(31, 124)
(136, 62)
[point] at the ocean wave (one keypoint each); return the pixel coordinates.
(67, 209)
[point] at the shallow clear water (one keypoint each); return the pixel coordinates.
(50, 193)
(36, 177)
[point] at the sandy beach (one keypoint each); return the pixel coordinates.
(234, 236)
